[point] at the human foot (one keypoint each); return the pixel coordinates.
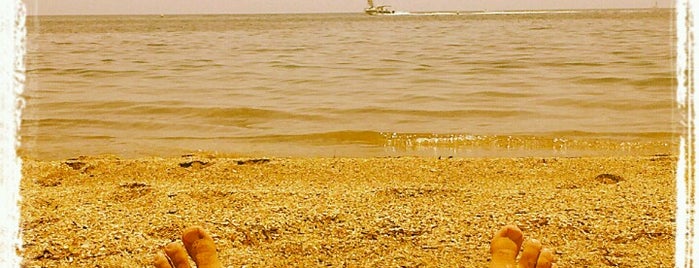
(505, 247)
(197, 243)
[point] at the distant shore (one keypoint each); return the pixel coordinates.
(392, 211)
(462, 12)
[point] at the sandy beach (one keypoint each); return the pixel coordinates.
(348, 212)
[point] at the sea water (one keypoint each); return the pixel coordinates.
(587, 82)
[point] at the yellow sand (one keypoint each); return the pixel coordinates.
(354, 212)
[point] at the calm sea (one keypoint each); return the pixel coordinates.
(564, 83)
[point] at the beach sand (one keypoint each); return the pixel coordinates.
(356, 212)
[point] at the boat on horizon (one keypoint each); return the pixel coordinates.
(378, 10)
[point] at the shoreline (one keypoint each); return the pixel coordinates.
(371, 211)
(370, 145)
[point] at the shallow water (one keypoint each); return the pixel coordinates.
(595, 82)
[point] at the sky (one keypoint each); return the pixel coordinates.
(121, 7)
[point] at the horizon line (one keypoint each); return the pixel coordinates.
(486, 11)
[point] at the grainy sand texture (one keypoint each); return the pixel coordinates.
(348, 212)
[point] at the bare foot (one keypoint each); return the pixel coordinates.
(505, 247)
(197, 243)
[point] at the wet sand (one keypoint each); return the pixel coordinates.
(354, 212)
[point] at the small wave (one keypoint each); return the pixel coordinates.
(571, 143)
(614, 104)
(501, 64)
(573, 64)
(467, 113)
(278, 49)
(41, 70)
(189, 67)
(288, 66)
(656, 81)
(210, 112)
(427, 80)
(386, 60)
(327, 138)
(499, 94)
(87, 105)
(600, 80)
(97, 125)
(582, 135)
(94, 72)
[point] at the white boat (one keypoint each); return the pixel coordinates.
(378, 10)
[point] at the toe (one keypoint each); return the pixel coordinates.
(505, 246)
(512, 233)
(530, 254)
(161, 261)
(177, 255)
(201, 247)
(546, 259)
